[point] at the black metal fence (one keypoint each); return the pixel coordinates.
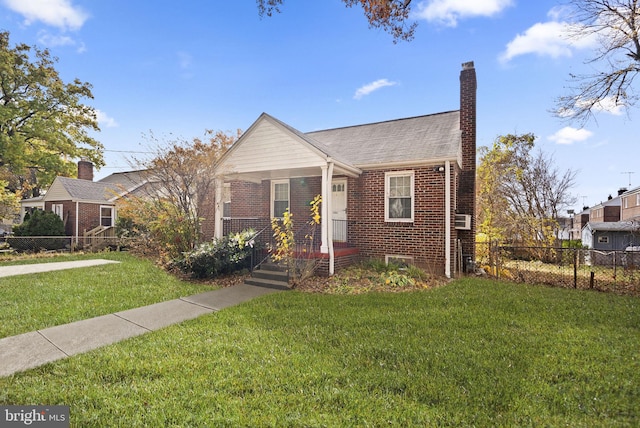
(616, 271)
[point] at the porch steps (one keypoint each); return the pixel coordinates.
(269, 275)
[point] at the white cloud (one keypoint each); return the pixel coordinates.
(57, 13)
(373, 86)
(47, 39)
(105, 120)
(551, 38)
(609, 105)
(448, 12)
(569, 135)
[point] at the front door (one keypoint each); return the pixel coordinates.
(339, 210)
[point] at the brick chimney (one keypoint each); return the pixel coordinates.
(85, 170)
(467, 178)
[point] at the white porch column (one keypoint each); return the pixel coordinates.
(329, 205)
(324, 214)
(217, 207)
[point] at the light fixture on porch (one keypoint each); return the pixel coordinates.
(438, 168)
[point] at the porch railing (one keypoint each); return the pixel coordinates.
(308, 237)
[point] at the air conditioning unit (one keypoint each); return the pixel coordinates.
(463, 221)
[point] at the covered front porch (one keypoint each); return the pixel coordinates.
(251, 205)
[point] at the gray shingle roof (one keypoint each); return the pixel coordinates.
(421, 138)
(89, 190)
(614, 226)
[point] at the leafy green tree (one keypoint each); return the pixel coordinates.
(43, 123)
(520, 193)
(9, 204)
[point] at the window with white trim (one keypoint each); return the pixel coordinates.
(603, 239)
(58, 209)
(226, 200)
(279, 197)
(638, 199)
(399, 196)
(106, 215)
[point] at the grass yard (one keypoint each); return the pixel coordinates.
(37, 301)
(472, 353)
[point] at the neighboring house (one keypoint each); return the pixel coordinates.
(607, 211)
(85, 205)
(630, 204)
(579, 222)
(611, 236)
(402, 189)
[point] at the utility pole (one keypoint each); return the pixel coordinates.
(629, 173)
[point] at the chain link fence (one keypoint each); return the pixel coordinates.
(39, 244)
(612, 271)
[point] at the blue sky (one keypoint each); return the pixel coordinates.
(178, 68)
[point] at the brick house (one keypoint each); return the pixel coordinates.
(85, 205)
(402, 189)
(630, 205)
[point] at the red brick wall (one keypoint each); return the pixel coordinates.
(88, 219)
(423, 239)
(467, 179)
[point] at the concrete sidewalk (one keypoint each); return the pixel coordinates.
(29, 350)
(47, 267)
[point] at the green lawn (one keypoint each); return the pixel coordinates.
(37, 301)
(474, 352)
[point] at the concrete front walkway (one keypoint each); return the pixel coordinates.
(47, 267)
(29, 350)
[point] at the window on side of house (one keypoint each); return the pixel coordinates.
(399, 196)
(226, 200)
(603, 239)
(58, 209)
(279, 197)
(638, 199)
(398, 260)
(106, 216)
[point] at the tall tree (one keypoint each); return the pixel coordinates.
(520, 193)
(390, 15)
(43, 123)
(615, 25)
(181, 185)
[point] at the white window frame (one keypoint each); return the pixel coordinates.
(113, 215)
(638, 199)
(387, 181)
(273, 195)
(58, 209)
(603, 239)
(226, 199)
(625, 202)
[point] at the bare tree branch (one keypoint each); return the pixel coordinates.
(615, 24)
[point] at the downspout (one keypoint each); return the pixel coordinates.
(77, 221)
(330, 220)
(447, 219)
